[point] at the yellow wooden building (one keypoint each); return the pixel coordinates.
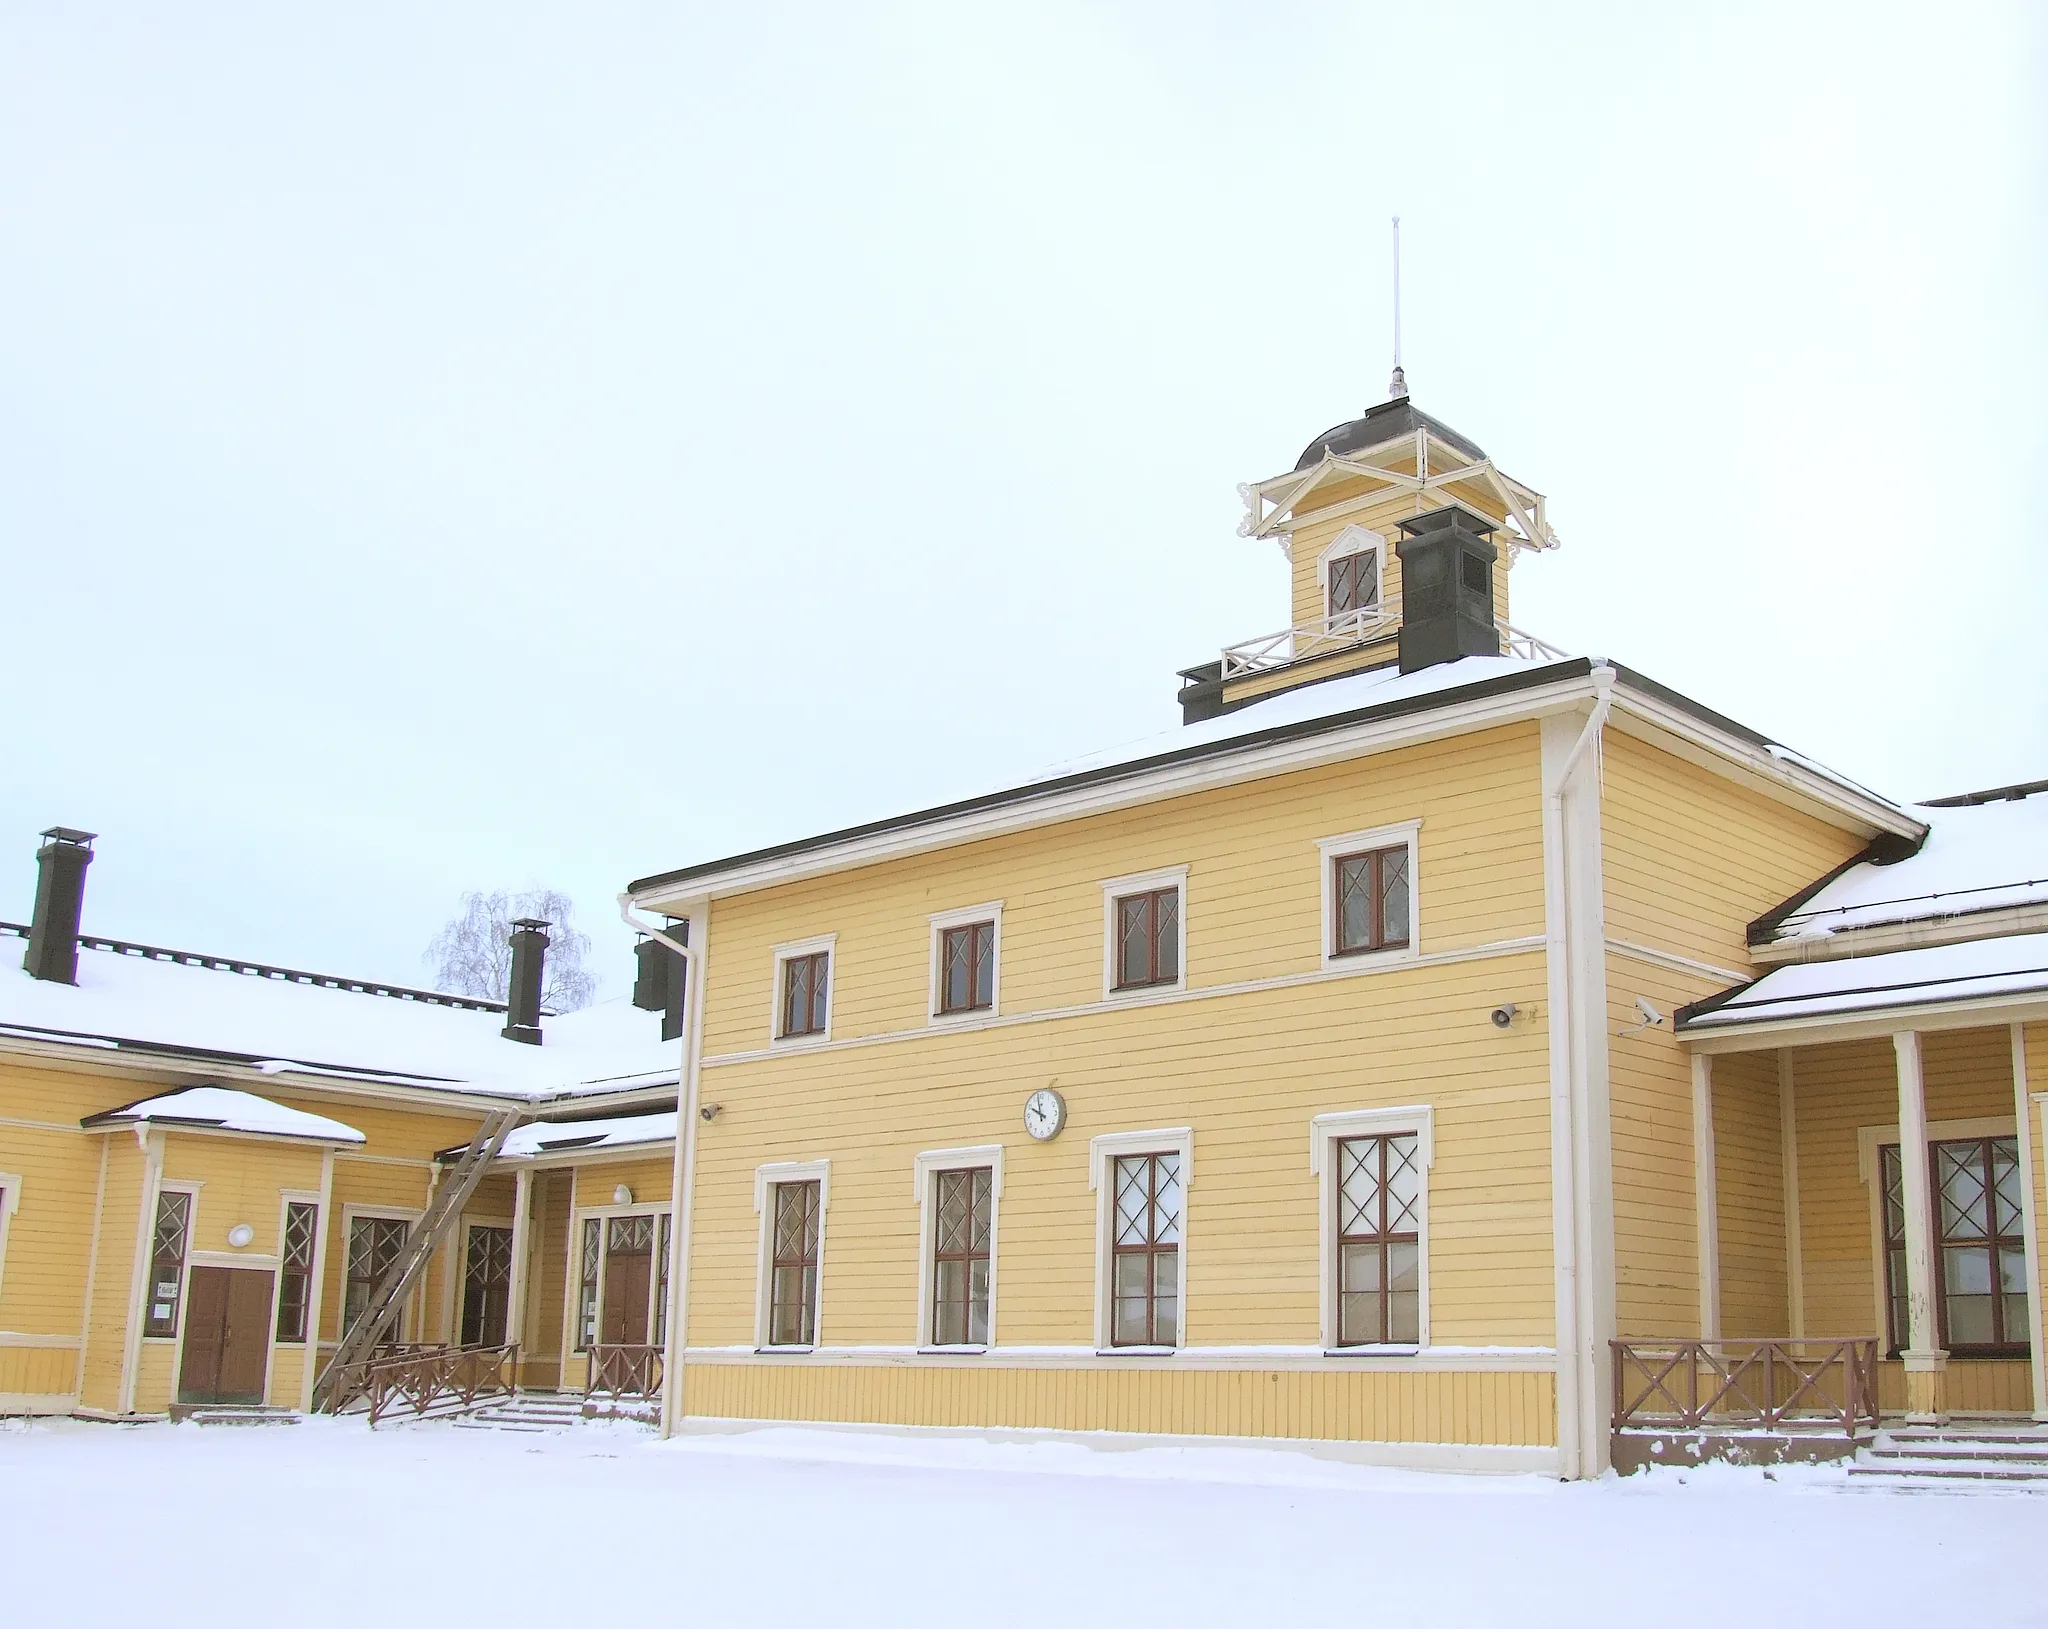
(1439, 1049)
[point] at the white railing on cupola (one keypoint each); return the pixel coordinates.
(1296, 644)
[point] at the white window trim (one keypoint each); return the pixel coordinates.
(1352, 539)
(170, 1185)
(1331, 849)
(1869, 1139)
(765, 1178)
(928, 1165)
(1102, 1153)
(829, 944)
(10, 1202)
(407, 1311)
(602, 1215)
(286, 1198)
(1143, 882)
(965, 917)
(1325, 1131)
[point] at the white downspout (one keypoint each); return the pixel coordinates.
(683, 1174)
(1568, 1179)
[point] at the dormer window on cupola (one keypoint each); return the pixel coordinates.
(1350, 570)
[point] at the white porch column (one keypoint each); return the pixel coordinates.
(515, 1295)
(1788, 1160)
(1706, 1198)
(2030, 1221)
(1924, 1359)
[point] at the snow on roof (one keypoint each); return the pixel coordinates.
(283, 1027)
(1977, 857)
(230, 1110)
(2015, 964)
(553, 1136)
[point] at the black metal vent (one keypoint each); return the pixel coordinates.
(661, 980)
(522, 999)
(60, 897)
(1447, 559)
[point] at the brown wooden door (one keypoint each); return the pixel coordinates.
(227, 1336)
(628, 1272)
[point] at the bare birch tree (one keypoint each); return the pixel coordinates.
(472, 955)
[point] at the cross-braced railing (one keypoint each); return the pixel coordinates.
(429, 1380)
(1737, 1385)
(1292, 644)
(624, 1371)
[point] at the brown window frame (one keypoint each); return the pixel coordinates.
(1381, 1239)
(817, 1010)
(1346, 568)
(802, 1258)
(167, 1254)
(1147, 1252)
(661, 1280)
(974, 1249)
(1157, 944)
(295, 1270)
(978, 941)
(1375, 863)
(1891, 1179)
(379, 1226)
(590, 1275)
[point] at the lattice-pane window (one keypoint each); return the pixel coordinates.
(963, 1214)
(793, 1265)
(1354, 582)
(1983, 1279)
(374, 1245)
(1899, 1333)
(1372, 898)
(1145, 1250)
(630, 1236)
(1148, 938)
(586, 1294)
(661, 1285)
(806, 982)
(295, 1271)
(168, 1242)
(487, 1286)
(1379, 1241)
(967, 967)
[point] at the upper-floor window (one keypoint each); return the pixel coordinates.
(168, 1243)
(1369, 894)
(805, 1002)
(295, 1274)
(964, 951)
(1354, 582)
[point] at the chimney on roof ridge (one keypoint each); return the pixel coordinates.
(60, 897)
(659, 984)
(522, 998)
(1447, 561)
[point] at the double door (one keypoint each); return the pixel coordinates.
(226, 1355)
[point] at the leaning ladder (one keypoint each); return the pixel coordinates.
(427, 1234)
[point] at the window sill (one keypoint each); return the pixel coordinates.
(1358, 961)
(799, 1043)
(952, 1351)
(1372, 1351)
(1138, 992)
(785, 1351)
(966, 1018)
(1137, 1351)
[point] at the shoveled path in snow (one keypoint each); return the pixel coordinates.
(330, 1523)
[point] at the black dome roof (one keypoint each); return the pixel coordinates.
(1386, 422)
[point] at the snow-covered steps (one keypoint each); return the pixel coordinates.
(229, 1414)
(529, 1411)
(2013, 1456)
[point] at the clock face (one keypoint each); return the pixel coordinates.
(1045, 1111)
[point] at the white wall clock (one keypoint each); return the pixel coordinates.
(1045, 1112)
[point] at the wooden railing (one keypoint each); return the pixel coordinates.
(1744, 1385)
(429, 1380)
(624, 1371)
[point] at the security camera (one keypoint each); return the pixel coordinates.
(709, 1112)
(1503, 1015)
(1651, 1016)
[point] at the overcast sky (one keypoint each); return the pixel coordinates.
(448, 448)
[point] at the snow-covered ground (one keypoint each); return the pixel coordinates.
(329, 1523)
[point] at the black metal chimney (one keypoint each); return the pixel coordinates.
(522, 998)
(60, 895)
(661, 981)
(1447, 561)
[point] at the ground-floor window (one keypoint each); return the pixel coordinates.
(374, 1245)
(963, 1216)
(167, 1261)
(592, 1264)
(1980, 1274)
(486, 1285)
(295, 1271)
(1379, 1241)
(1145, 1250)
(661, 1284)
(793, 1264)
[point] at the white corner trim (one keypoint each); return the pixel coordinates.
(965, 917)
(766, 1177)
(928, 1165)
(1101, 1151)
(829, 944)
(1331, 849)
(1144, 882)
(1326, 1130)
